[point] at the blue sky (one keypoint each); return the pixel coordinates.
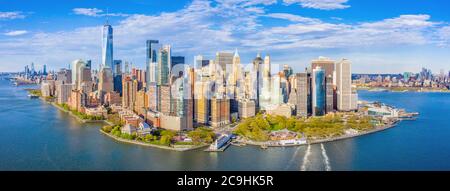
(382, 36)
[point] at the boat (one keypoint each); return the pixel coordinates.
(264, 146)
(221, 143)
(32, 96)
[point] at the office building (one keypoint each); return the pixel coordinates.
(220, 111)
(107, 47)
(63, 93)
(318, 92)
(164, 61)
(302, 94)
(151, 61)
(344, 93)
(224, 60)
(105, 84)
(246, 109)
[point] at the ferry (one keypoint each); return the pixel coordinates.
(32, 96)
(221, 143)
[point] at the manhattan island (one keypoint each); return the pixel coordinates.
(174, 106)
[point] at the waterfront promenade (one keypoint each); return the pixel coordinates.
(319, 141)
(174, 148)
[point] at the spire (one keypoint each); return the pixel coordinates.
(107, 16)
(236, 54)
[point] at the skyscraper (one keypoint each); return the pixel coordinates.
(302, 94)
(344, 85)
(77, 66)
(318, 92)
(105, 82)
(164, 60)
(44, 69)
(117, 67)
(107, 46)
(258, 72)
(224, 59)
(151, 60)
(329, 93)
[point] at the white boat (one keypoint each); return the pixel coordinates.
(32, 96)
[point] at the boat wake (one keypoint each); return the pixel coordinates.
(292, 158)
(326, 160)
(305, 158)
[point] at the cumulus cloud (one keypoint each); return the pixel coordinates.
(11, 15)
(16, 33)
(320, 4)
(204, 27)
(291, 17)
(94, 12)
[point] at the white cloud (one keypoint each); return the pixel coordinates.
(16, 33)
(291, 17)
(320, 4)
(94, 12)
(203, 27)
(12, 15)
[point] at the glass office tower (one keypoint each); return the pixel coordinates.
(319, 94)
(107, 46)
(151, 60)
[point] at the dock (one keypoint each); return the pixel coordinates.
(220, 144)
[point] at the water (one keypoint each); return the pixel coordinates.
(36, 136)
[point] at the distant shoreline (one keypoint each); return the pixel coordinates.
(401, 90)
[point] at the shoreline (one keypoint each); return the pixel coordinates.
(76, 117)
(415, 90)
(180, 149)
(249, 142)
(312, 142)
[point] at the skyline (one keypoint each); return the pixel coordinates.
(293, 32)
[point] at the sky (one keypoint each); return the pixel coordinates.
(383, 36)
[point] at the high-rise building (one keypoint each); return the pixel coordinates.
(44, 69)
(77, 100)
(153, 96)
(151, 61)
(117, 67)
(220, 111)
(329, 94)
(287, 70)
(77, 66)
(165, 100)
(164, 61)
(107, 46)
(246, 109)
(129, 90)
(141, 103)
(325, 63)
(344, 86)
(63, 93)
(64, 76)
(89, 64)
(201, 102)
(258, 72)
(175, 60)
(318, 92)
(105, 84)
(328, 66)
(118, 83)
(302, 94)
(224, 60)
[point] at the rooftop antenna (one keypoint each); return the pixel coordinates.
(107, 16)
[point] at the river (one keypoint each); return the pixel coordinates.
(35, 135)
